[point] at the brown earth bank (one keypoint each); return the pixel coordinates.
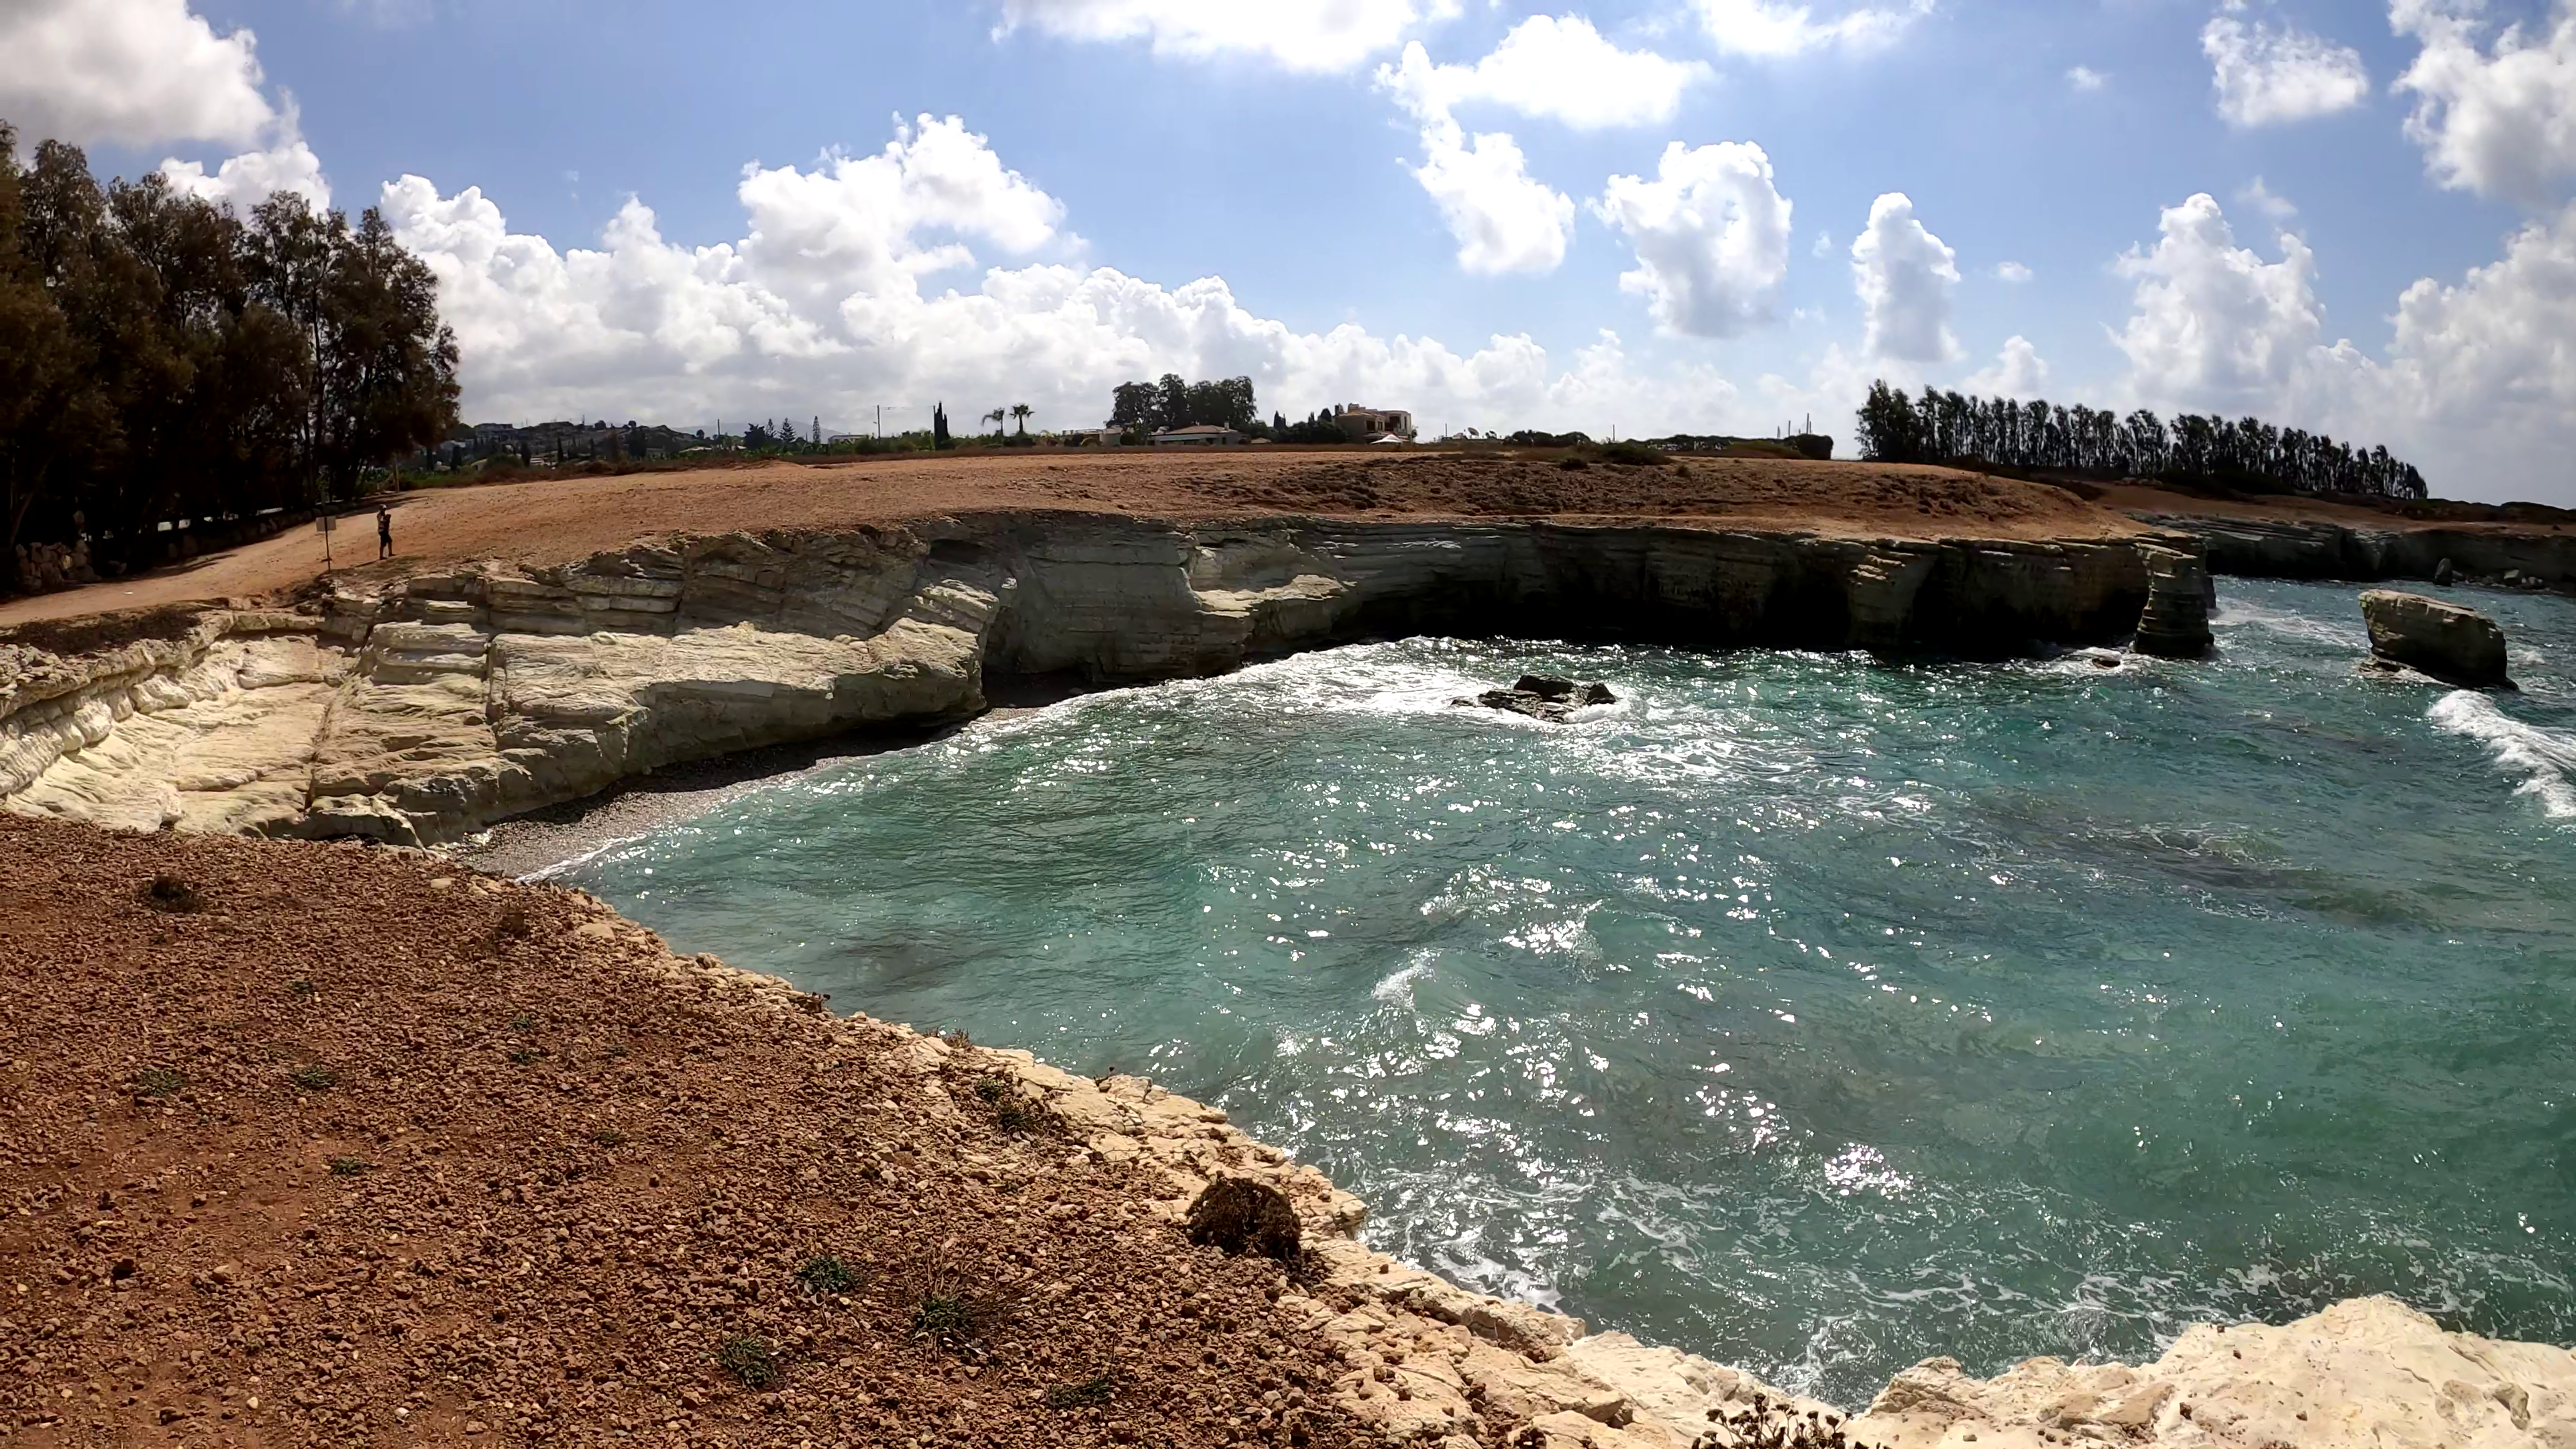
(339, 1145)
(557, 521)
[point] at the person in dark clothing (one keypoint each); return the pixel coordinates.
(384, 532)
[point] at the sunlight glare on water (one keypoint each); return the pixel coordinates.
(1814, 1013)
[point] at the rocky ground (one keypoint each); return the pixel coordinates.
(328, 1144)
(560, 520)
(333, 1145)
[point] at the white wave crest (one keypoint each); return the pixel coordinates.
(2544, 757)
(1397, 990)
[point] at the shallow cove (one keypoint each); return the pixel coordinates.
(1810, 1012)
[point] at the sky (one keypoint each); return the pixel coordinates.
(1640, 217)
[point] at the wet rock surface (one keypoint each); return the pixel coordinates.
(1544, 697)
(2455, 645)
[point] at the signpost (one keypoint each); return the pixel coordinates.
(324, 525)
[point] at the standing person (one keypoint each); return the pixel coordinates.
(384, 532)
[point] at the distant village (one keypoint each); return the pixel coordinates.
(563, 442)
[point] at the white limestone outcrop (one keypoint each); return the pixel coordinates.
(422, 711)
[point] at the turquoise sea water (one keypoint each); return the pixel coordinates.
(1810, 1012)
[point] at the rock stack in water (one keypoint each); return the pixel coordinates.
(1545, 697)
(2175, 624)
(2454, 645)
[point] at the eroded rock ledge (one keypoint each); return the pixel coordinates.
(423, 711)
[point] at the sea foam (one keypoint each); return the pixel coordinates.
(2543, 757)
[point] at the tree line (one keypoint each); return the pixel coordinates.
(162, 358)
(1154, 407)
(2248, 454)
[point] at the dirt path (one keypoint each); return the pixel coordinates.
(560, 520)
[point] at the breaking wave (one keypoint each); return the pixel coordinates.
(2543, 757)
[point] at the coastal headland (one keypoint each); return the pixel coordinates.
(310, 1142)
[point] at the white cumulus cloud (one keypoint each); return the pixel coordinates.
(2495, 117)
(1904, 275)
(833, 302)
(1711, 234)
(1304, 35)
(2477, 386)
(286, 163)
(132, 72)
(1559, 70)
(2018, 371)
(2214, 324)
(2086, 78)
(1505, 220)
(2493, 355)
(1775, 28)
(2266, 74)
(2011, 272)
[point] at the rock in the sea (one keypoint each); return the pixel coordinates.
(1543, 696)
(2455, 645)
(2446, 573)
(2175, 624)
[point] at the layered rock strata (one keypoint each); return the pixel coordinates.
(2280, 549)
(424, 710)
(2180, 598)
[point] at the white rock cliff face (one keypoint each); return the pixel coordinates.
(429, 709)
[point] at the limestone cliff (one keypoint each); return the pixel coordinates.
(2282, 549)
(425, 710)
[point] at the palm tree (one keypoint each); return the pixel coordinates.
(995, 418)
(1023, 412)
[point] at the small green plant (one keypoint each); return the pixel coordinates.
(351, 1167)
(158, 1083)
(1091, 1393)
(990, 1089)
(825, 1276)
(752, 1362)
(300, 989)
(314, 1077)
(946, 1319)
(524, 1056)
(523, 1023)
(168, 892)
(608, 1137)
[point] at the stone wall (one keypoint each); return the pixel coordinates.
(425, 710)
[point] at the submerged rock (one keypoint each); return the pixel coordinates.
(1546, 697)
(2455, 645)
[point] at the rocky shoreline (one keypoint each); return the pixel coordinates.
(365, 1148)
(549, 1120)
